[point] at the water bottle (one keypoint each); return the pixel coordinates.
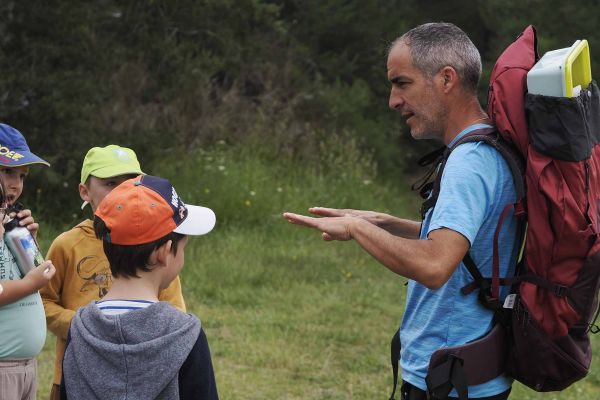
(22, 245)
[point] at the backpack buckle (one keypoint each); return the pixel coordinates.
(487, 300)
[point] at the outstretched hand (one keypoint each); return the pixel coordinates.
(332, 228)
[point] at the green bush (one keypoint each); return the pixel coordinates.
(169, 77)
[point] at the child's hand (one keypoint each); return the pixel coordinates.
(39, 276)
(26, 220)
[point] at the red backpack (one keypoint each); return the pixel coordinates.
(559, 277)
(541, 336)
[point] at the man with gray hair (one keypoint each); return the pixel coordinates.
(434, 70)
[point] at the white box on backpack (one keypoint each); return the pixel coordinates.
(559, 72)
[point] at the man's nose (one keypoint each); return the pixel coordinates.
(395, 100)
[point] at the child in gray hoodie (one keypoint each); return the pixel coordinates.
(130, 345)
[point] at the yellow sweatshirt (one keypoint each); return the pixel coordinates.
(82, 276)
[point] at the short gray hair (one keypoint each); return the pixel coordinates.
(436, 45)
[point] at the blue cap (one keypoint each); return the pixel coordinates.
(14, 151)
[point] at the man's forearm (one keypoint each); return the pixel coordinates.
(405, 228)
(429, 261)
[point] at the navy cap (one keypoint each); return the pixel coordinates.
(14, 151)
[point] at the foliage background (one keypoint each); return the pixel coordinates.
(168, 77)
(254, 107)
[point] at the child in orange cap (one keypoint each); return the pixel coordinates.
(130, 344)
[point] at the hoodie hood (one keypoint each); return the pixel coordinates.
(87, 228)
(136, 355)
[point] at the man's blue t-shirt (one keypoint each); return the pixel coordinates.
(476, 185)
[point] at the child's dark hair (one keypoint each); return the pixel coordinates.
(125, 260)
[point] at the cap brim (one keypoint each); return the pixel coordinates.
(199, 221)
(28, 159)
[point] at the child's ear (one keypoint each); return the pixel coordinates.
(162, 252)
(84, 192)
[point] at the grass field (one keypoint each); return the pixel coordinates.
(287, 315)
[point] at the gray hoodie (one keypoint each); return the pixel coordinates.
(136, 355)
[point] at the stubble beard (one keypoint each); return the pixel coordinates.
(432, 120)
(430, 127)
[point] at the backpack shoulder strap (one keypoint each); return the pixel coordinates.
(443, 365)
(491, 137)
(488, 293)
(508, 152)
(446, 367)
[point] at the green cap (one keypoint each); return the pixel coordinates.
(109, 161)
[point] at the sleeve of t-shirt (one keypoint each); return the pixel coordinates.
(467, 190)
(196, 375)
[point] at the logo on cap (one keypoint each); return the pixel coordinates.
(8, 153)
(174, 198)
(121, 154)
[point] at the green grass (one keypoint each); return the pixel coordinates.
(287, 315)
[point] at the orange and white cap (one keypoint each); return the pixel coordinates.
(146, 208)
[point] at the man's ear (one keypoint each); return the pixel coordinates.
(448, 78)
(162, 252)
